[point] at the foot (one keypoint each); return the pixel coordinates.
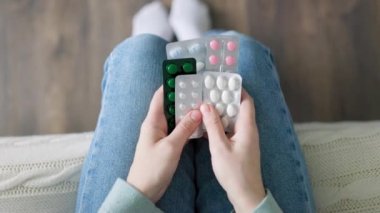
(189, 18)
(153, 18)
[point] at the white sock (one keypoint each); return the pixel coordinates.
(154, 19)
(189, 19)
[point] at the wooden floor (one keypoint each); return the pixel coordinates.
(52, 52)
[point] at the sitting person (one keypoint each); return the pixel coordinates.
(258, 168)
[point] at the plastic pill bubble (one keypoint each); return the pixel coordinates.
(232, 110)
(214, 44)
(214, 95)
(209, 82)
(231, 46)
(171, 96)
(182, 85)
(182, 95)
(171, 68)
(171, 82)
(213, 59)
(227, 97)
(225, 122)
(230, 60)
(177, 52)
(221, 82)
(200, 66)
(194, 105)
(220, 107)
(234, 83)
(194, 95)
(182, 106)
(196, 48)
(195, 84)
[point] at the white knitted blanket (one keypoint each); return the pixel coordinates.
(41, 173)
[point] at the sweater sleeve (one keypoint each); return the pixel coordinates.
(125, 198)
(268, 205)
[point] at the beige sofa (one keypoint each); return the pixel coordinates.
(41, 173)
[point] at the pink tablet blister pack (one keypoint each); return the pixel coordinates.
(188, 96)
(214, 53)
(223, 91)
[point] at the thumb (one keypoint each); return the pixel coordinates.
(213, 125)
(186, 127)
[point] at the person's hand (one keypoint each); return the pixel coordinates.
(236, 159)
(157, 154)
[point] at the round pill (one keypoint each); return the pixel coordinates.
(171, 110)
(232, 110)
(231, 46)
(230, 60)
(213, 59)
(187, 67)
(227, 97)
(194, 95)
(214, 96)
(234, 83)
(209, 82)
(214, 44)
(182, 95)
(182, 85)
(170, 82)
(171, 96)
(225, 122)
(182, 107)
(220, 107)
(221, 82)
(200, 66)
(171, 68)
(196, 48)
(177, 52)
(194, 84)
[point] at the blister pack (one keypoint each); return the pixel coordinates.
(223, 91)
(213, 53)
(188, 96)
(171, 69)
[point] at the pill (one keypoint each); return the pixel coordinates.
(187, 67)
(171, 68)
(214, 95)
(195, 84)
(232, 110)
(171, 82)
(227, 97)
(213, 59)
(182, 85)
(231, 46)
(230, 60)
(177, 52)
(220, 107)
(221, 82)
(200, 66)
(194, 95)
(234, 83)
(194, 105)
(225, 122)
(171, 96)
(182, 95)
(214, 44)
(171, 110)
(209, 82)
(196, 48)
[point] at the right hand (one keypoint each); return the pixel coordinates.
(236, 159)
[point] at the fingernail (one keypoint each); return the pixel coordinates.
(195, 115)
(205, 108)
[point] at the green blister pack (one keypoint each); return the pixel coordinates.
(171, 69)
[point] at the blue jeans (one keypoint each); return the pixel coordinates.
(132, 73)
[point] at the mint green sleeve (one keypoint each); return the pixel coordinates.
(125, 198)
(268, 205)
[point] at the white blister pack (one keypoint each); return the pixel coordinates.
(223, 91)
(213, 53)
(188, 96)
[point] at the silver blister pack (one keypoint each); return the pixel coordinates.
(218, 53)
(223, 91)
(188, 96)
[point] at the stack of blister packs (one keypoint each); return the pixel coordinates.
(202, 71)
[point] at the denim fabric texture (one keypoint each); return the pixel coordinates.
(132, 73)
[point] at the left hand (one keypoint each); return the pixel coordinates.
(157, 154)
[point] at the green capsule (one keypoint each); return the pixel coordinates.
(171, 69)
(187, 67)
(171, 82)
(171, 110)
(171, 96)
